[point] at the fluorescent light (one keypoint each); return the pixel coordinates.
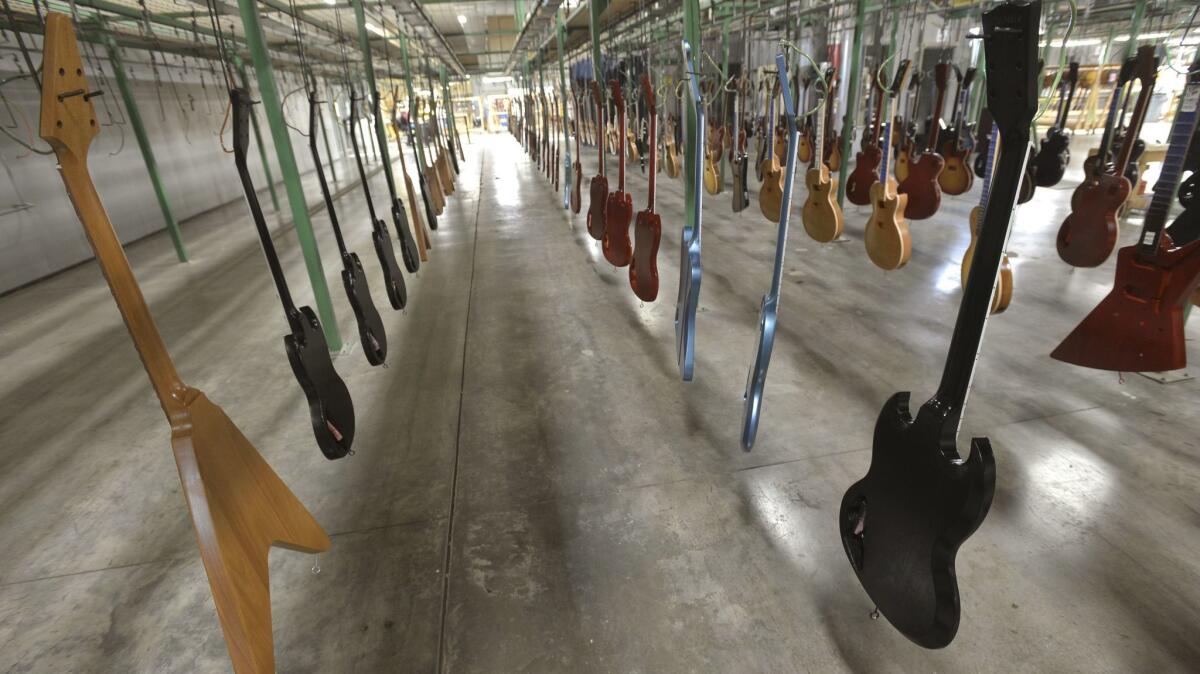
(462, 19)
(1143, 36)
(376, 29)
(331, 2)
(1082, 42)
(496, 79)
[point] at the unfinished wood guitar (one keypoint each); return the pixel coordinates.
(239, 506)
(424, 238)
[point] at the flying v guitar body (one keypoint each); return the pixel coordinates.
(330, 408)
(919, 507)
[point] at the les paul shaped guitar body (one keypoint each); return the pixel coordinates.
(864, 175)
(889, 245)
(956, 176)
(712, 178)
(921, 525)
(1004, 283)
(921, 186)
(770, 193)
(821, 215)
(1089, 234)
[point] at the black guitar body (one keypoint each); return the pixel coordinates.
(430, 216)
(1186, 227)
(741, 193)
(393, 280)
(408, 245)
(903, 523)
(329, 404)
(370, 325)
(453, 159)
(980, 164)
(1052, 158)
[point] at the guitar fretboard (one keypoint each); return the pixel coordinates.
(1168, 179)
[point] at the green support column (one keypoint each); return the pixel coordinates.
(691, 33)
(569, 175)
(856, 52)
(412, 99)
(257, 44)
(721, 92)
(139, 130)
(1135, 28)
(262, 147)
(364, 43)
(595, 7)
(451, 126)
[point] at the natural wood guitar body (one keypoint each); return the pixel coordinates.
(886, 236)
(804, 148)
(770, 193)
(712, 178)
(902, 163)
(1089, 234)
(1002, 297)
(821, 215)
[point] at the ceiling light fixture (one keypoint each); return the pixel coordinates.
(462, 19)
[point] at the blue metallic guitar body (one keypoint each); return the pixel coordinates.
(756, 380)
(689, 242)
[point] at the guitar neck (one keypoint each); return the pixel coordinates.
(1135, 124)
(785, 205)
(981, 281)
(1164, 190)
(937, 119)
(314, 127)
(121, 281)
(1110, 119)
(993, 146)
(652, 148)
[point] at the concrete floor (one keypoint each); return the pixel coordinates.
(535, 490)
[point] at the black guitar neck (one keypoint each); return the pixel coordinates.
(314, 125)
(362, 171)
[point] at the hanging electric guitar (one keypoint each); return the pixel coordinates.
(618, 213)
(1089, 234)
(739, 160)
(1138, 327)
(429, 177)
(866, 162)
(921, 183)
(330, 408)
(577, 168)
(804, 148)
(670, 150)
(238, 506)
(1004, 282)
(440, 162)
(712, 158)
(643, 269)
(886, 235)
(599, 186)
(426, 197)
(821, 214)
(1055, 151)
(770, 193)
(393, 279)
(756, 380)
(370, 326)
(688, 301)
(408, 247)
(903, 523)
(424, 243)
(956, 176)
(833, 141)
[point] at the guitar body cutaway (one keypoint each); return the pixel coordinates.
(618, 214)
(886, 236)
(370, 326)
(921, 186)
(956, 176)
(329, 405)
(821, 215)
(770, 193)
(1089, 234)
(864, 175)
(596, 209)
(643, 269)
(1002, 297)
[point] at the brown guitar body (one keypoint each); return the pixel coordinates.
(804, 147)
(434, 185)
(886, 236)
(1002, 296)
(781, 147)
(770, 194)
(921, 186)
(618, 215)
(712, 177)
(902, 163)
(864, 175)
(835, 154)
(443, 167)
(821, 215)
(956, 177)
(672, 160)
(1089, 234)
(596, 209)
(576, 197)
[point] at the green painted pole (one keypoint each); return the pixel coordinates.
(258, 140)
(1135, 28)
(364, 42)
(569, 175)
(856, 52)
(721, 92)
(143, 139)
(691, 33)
(257, 44)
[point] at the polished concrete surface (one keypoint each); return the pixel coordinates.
(535, 490)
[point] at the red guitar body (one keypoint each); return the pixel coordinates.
(921, 186)
(1089, 234)
(865, 174)
(1139, 326)
(643, 272)
(618, 249)
(595, 216)
(576, 197)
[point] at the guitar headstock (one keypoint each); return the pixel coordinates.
(968, 78)
(898, 80)
(692, 74)
(617, 96)
(941, 75)
(1073, 73)
(831, 80)
(958, 74)
(1010, 43)
(915, 82)
(1145, 66)
(68, 119)
(648, 88)
(1126, 72)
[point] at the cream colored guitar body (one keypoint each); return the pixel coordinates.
(886, 237)
(821, 215)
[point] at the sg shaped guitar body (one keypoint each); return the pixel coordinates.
(596, 209)
(618, 213)
(1089, 234)
(886, 236)
(576, 197)
(643, 269)
(864, 175)
(329, 405)
(370, 326)
(821, 215)
(393, 280)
